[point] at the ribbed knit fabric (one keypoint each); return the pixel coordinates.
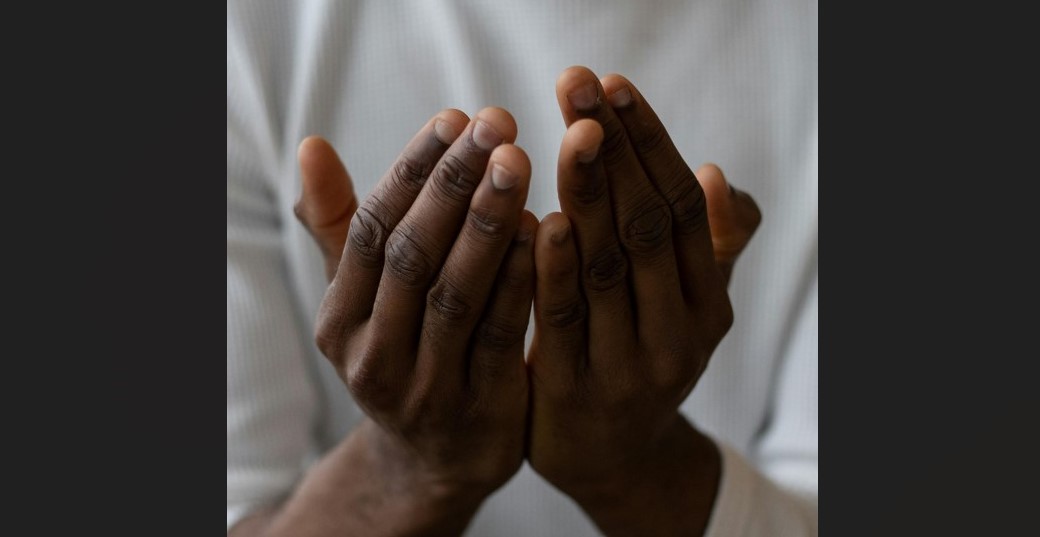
(735, 82)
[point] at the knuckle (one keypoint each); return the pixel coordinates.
(329, 331)
(409, 174)
(487, 225)
(754, 215)
(497, 335)
(448, 301)
(367, 235)
(588, 192)
(717, 318)
(725, 319)
(649, 231)
(756, 219)
(651, 139)
(606, 269)
(327, 341)
(454, 178)
(406, 261)
(299, 210)
(366, 380)
(686, 197)
(565, 315)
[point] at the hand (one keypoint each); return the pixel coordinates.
(425, 316)
(630, 303)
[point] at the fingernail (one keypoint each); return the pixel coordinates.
(485, 136)
(588, 155)
(620, 98)
(560, 236)
(502, 178)
(523, 234)
(584, 97)
(446, 133)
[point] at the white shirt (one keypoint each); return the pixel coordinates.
(735, 83)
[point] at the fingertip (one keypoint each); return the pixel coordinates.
(449, 124)
(555, 219)
(326, 191)
(509, 166)
(554, 231)
(619, 91)
(311, 150)
(578, 87)
(555, 256)
(711, 169)
(454, 115)
(494, 126)
(311, 140)
(612, 81)
(583, 139)
(529, 221)
(574, 76)
(713, 181)
(513, 157)
(321, 170)
(731, 212)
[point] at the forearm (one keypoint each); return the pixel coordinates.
(365, 487)
(670, 492)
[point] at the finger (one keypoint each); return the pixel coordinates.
(349, 299)
(673, 178)
(497, 356)
(419, 243)
(327, 201)
(585, 199)
(733, 217)
(642, 217)
(461, 290)
(558, 352)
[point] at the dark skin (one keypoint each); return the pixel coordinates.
(432, 280)
(630, 303)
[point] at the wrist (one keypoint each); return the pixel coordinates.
(410, 477)
(371, 484)
(669, 489)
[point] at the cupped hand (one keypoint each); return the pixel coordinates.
(429, 300)
(630, 304)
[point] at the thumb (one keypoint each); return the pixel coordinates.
(327, 201)
(733, 217)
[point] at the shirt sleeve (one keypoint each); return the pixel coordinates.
(776, 493)
(271, 398)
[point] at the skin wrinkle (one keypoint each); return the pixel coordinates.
(406, 260)
(606, 270)
(449, 300)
